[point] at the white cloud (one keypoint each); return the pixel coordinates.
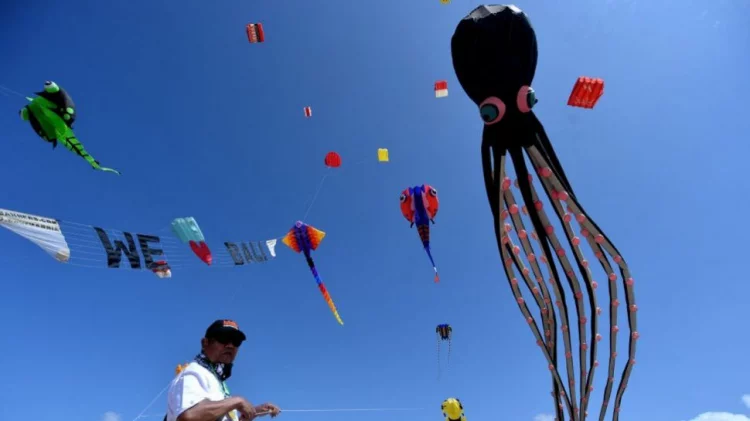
(720, 416)
(746, 400)
(547, 417)
(113, 416)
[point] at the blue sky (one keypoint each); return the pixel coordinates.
(201, 123)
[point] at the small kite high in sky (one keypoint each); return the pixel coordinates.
(304, 238)
(586, 92)
(441, 89)
(382, 155)
(332, 160)
(52, 114)
(419, 205)
(453, 410)
(255, 33)
(444, 332)
(494, 52)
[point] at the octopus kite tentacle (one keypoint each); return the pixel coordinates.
(511, 259)
(494, 52)
(600, 244)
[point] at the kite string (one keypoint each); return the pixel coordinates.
(315, 195)
(345, 410)
(316, 410)
(8, 90)
(153, 401)
(322, 181)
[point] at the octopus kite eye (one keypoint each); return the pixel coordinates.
(526, 99)
(51, 87)
(402, 198)
(492, 110)
(433, 192)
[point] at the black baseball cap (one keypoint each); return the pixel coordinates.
(224, 329)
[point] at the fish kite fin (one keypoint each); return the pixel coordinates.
(291, 241)
(316, 236)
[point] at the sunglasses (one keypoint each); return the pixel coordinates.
(225, 340)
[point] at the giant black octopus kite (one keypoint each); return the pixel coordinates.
(494, 55)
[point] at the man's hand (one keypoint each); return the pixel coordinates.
(246, 410)
(268, 408)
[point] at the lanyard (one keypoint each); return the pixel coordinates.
(224, 387)
(203, 361)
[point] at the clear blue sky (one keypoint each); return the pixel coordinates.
(201, 123)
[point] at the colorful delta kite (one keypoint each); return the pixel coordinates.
(42, 231)
(419, 205)
(453, 410)
(586, 92)
(188, 231)
(482, 45)
(383, 155)
(255, 32)
(441, 89)
(304, 238)
(308, 112)
(52, 114)
(444, 332)
(332, 160)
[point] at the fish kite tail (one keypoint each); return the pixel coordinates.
(105, 169)
(329, 301)
(323, 290)
(72, 144)
(424, 233)
(95, 164)
(434, 267)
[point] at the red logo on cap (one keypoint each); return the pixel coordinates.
(231, 323)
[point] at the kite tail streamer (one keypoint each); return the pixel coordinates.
(449, 353)
(323, 290)
(602, 247)
(438, 354)
(424, 235)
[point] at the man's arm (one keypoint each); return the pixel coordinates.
(188, 400)
(207, 410)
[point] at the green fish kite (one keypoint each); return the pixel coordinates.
(52, 114)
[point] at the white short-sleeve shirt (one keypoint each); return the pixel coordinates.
(194, 384)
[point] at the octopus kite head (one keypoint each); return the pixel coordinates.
(452, 408)
(51, 87)
(494, 54)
